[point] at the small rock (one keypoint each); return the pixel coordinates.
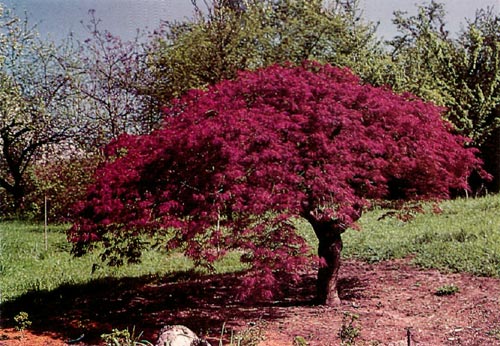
(177, 335)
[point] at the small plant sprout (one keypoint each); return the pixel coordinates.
(22, 322)
(251, 336)
(299, 341)
(447, 290)
(124, 338)
(494, 333)
(349, 331)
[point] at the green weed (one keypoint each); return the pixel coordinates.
(447, 290)
(124, 338)
(299, 341)
(22, 321)
(251, 336)
(349, 332)
(494, 333)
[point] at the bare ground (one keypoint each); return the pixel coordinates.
(393, 301)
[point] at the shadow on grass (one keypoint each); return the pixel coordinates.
(204, 303)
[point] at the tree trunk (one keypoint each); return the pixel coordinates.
(329, 232)
(329, 252)
(18, 194)
(491, 156)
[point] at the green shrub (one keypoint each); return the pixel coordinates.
(447, 290)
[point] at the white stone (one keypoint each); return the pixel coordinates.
(177, 335)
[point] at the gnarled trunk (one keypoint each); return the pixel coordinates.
(329, 252)
(329, 232)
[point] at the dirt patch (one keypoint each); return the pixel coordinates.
(393, 301)
(393, 297)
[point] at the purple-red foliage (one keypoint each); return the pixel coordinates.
(232, 165)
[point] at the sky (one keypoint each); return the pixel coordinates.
(456, 12)
(57, 18)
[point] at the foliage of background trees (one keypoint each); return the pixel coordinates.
(461, 74)
(59, 104)
(227, 39)
(232, 166)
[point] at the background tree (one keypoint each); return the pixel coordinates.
(62, 104)
(234, 165)
(475, 108)
(37, 108)
(63, 181)
(246, 35)
(462, 73)
(114, 84)
(418, 52)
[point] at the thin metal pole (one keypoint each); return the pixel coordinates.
(45, 227)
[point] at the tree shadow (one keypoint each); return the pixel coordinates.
(203, 303)
(351, 288)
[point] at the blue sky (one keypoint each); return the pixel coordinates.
(457, 11)
(57, 18)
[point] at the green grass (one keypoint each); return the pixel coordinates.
(465, 236)
(26, 266)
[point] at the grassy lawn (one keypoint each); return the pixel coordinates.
(465, 236)
(25, 265)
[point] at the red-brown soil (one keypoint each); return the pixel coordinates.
(390, 298)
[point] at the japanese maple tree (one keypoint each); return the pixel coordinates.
(232, 167)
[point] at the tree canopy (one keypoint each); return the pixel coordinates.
(233, 165)
(61, 103)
